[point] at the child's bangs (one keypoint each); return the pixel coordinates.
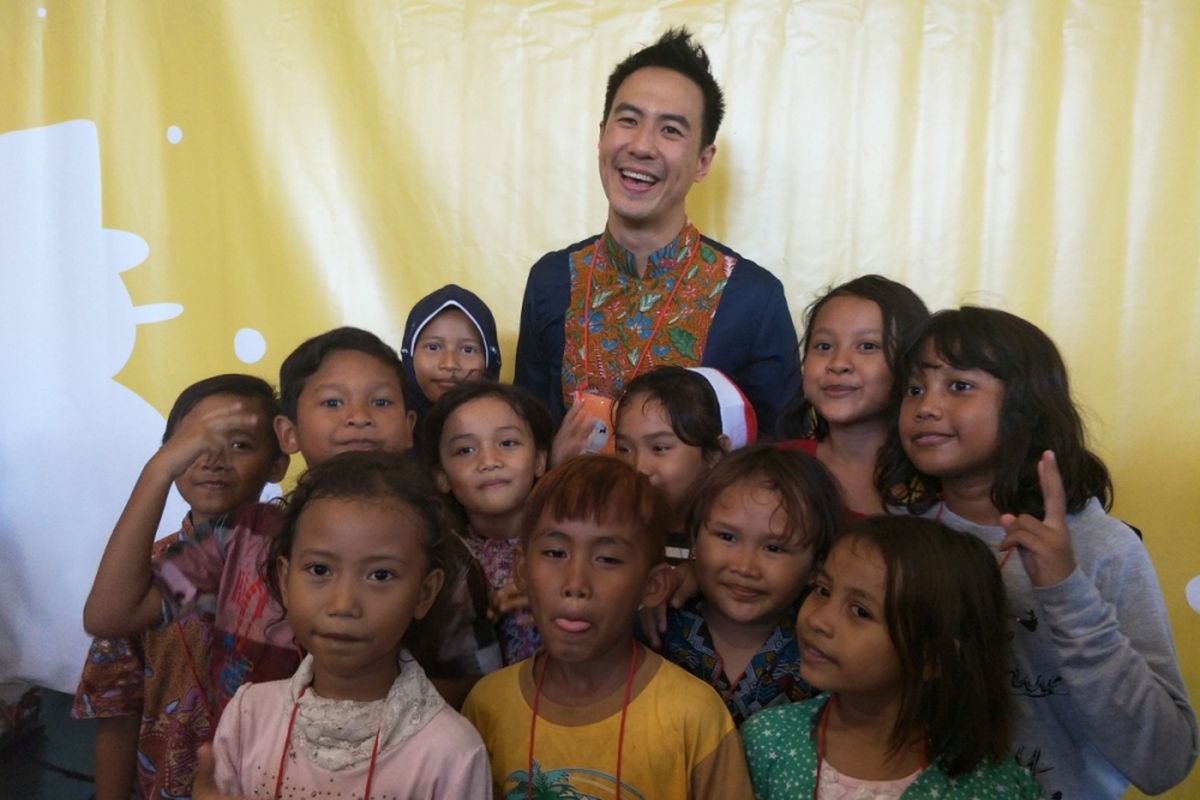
(958, 344)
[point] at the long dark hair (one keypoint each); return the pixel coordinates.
(1037, 414)
(945, 613)
(903, 314)
(689, 400)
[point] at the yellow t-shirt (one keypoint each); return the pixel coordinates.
(680, 741)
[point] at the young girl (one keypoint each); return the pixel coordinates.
(760, 520)
(449, 337)
(904, 631)
(989, 442)
(486, 444)
(671, 425)
(853, 337)
(358, 564)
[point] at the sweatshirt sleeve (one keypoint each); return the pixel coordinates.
(1114, 650)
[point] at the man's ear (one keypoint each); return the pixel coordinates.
(279, 468)
(281, 573)
(706, 159)
(431, 584)
(658, 586)
(285, 431)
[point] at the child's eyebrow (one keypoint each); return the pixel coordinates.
(610, 541)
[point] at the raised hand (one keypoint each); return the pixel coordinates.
(506, 600)
(1043, 544)
(202, 435)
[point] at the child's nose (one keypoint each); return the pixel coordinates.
(358, 412)
(745, 560)
(577, 582)
(343, 601)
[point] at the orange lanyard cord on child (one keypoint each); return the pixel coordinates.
(598, 254)
(187, 654)
(537, 693)
(287, 740)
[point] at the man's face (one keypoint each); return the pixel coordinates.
(650, 153)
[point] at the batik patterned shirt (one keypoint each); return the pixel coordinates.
(682, 287)
(160, 676)
(771, 678)
(517, 634)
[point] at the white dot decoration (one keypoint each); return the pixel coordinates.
(174, 134)
(41, 12)
(1193, 593)
(249, 346)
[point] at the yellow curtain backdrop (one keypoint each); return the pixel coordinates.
(295, 165)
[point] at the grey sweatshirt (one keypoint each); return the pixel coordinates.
(1101, 703)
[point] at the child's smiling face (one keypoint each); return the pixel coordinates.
(647, 441)
(354, 581)
(353, 401)
(214, 485)
(488, 457)
(751, 564)
(449, 350)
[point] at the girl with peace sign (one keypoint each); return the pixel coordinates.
(989, 442)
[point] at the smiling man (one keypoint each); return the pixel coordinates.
(658, 292)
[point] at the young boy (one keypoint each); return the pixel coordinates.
(149, 694)
(342, 390)
(449, 337)
(595, 710)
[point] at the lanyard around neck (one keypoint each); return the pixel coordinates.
(537, 693)
(822, 724)
(598, 256)
(287, 740)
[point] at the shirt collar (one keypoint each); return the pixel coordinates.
(673, 252)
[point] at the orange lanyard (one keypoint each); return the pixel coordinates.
(287, 740)
(537, 693)
(598, 255)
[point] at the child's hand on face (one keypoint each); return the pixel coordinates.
(506, 600)
(1044, 545)
(202, 435)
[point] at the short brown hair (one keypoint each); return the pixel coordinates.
(808, 494)
(606, 490)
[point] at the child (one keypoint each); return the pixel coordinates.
(450, 337)
(989, 442)
(343, 390)
(359, 562)
(149, 695)
(762, 517)
(853, 338)
(486, 444)
(904, 630)
(595, 713)
(670, 426)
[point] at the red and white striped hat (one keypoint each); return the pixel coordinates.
(738, 420)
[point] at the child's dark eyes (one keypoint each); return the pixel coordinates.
(860, 612)
(724, 536)
(241, 445)
(960, 386)
(381, 575)
(610, 561)
(554, 553)
(508, 444)
(383, 402)
(775, 548)
(820, 347)
(318, 570)
(819, 590)
(431, 347)
(465, 450)
(869, 346)
(912, 390)
(332, 402)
